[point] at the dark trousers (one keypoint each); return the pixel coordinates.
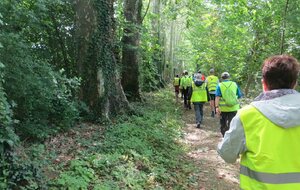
(225, 120)
(186, 98)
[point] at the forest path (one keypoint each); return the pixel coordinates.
(211, 172)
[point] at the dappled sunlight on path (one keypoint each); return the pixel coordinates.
(212, 173)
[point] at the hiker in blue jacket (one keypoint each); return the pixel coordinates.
(225, 111)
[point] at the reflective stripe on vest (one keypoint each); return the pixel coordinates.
(199, 93)
(272, 157)
(232, 86)
(212, 82)
(271, 178)
(176, 81)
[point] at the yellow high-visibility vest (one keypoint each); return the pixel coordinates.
(199, 93)
(212, 82)
(176, 81)
(232, 86)
(185, 82)
(271, 161)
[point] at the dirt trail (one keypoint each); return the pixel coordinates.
(212, 173)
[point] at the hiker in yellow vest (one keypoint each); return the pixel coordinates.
(176, 84)
(180, 86)
(198, 98)
(212, 81)
(185, 85)
(189, 86)
(266, 132)
(226, 112)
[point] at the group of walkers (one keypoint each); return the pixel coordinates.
(265, 134)
(198, 89)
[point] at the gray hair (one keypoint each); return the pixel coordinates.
(198, 76)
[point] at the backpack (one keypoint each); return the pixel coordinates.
(229, 96)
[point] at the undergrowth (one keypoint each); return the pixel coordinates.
(136, 152)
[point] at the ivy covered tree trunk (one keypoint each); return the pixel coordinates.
(130, 52)
(101, 88)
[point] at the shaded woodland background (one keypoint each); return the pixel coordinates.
(65, 62)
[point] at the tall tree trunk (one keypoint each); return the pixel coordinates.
(101, 88)
(250, 79)
(169, 66)
(85, 27)
(130, 52)
(156, 33)
(252, 63)
(283, 28)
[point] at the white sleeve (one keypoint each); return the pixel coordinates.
(233, 143)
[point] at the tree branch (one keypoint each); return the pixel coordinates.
(146, 11)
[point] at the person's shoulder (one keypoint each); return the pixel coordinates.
(229, 81)
(245, 109)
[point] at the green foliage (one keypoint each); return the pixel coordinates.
(148, 77)
(235, 36)
(19, 172)
(151, 51)
(78, 176)
(138, 152)
(40, 96)
(47, 25)
(147, 145)
(7, 136)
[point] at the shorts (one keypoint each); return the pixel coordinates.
(212, 96)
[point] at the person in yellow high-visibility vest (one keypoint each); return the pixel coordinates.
(225, 111)
(185, 85)
(176, 84)
(212, 82)
(180, 86)
(266, 133)
(198, 98)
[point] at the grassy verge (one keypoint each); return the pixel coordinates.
(136, 152)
